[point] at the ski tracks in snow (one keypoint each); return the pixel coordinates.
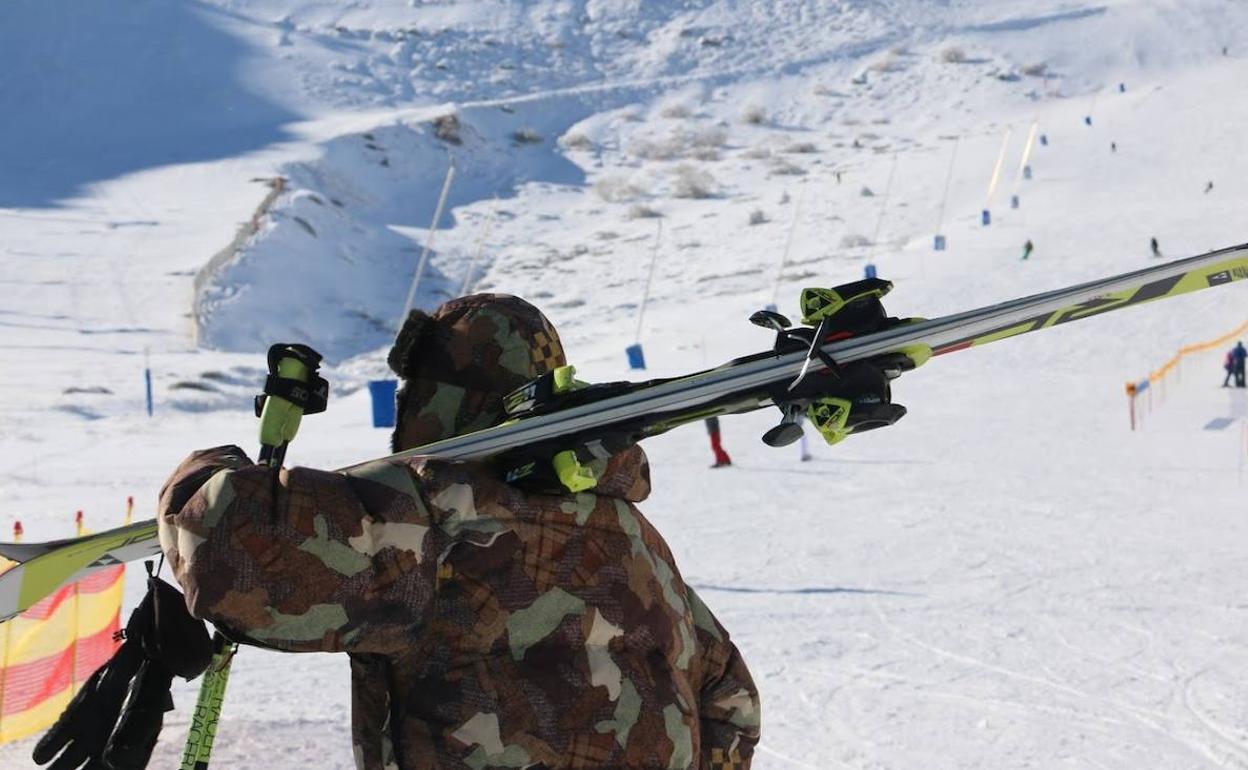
(1184, 715)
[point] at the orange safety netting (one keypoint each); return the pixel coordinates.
(47, 652)
(1199, 347)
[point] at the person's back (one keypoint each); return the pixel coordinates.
(488, 626)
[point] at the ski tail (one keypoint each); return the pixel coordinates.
(23, 552)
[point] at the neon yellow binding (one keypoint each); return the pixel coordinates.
(572, 473)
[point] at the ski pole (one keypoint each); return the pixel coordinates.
(292, 389)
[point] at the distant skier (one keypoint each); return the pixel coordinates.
(1113, 147)
(1028, 247)
(1155, 247)
(717, 447)
(1229, 365)
(1209, 187)
(1239, 355)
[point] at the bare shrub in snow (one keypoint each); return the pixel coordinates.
(617, 189)
(711, 136)
(953, 55)
(446, 128)
(669, 148)
(641, 211)
(855, 241)
(576, 141)
(890, 63)
(757, 217)
(693, 182)
(783, 167)
(754, 115)
(867, 192)
(1037, 70)
(526, 136)
(675, 111)
(701, 144)
(801, 148)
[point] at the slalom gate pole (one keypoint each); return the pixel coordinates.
(645, 296)
(944, 198)
(476, 254)
(879, 221)
(424, 252)
(292, 389)
(996, 169)
(788, 244)
(1026, 159)
(147, 381)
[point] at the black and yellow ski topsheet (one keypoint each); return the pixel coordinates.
(650, 408)
(1227, 266)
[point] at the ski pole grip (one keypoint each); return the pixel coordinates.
(292, 389)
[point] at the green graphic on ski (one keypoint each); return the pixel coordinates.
(644, 409)
(44, 567)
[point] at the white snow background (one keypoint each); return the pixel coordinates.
(1009, 578)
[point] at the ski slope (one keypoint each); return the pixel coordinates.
(1008, 578)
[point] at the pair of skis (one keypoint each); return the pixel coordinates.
(635, 411)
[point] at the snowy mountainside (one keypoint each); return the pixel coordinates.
(1007, 578)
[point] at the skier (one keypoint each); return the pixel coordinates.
(1239, 354)
(1155, 247)
(486, 625)
(1229, 365)
(1209, 187)
(717, 446)
(1028, 247)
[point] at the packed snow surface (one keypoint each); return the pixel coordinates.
(1008, 578)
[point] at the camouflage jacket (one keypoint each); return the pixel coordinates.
(487, 627)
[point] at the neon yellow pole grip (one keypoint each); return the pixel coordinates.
(279, 420)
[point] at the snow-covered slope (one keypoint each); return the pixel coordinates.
(1008, 578)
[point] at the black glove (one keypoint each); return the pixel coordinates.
(162, 639)
(83, 728)
(131, 744)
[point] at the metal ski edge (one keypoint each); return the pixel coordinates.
(944, 335)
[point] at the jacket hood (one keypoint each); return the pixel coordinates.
(458, 363)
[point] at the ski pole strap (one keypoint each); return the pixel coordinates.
(292, 389)
(208, 706)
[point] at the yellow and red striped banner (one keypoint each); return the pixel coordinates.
(47, 652)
